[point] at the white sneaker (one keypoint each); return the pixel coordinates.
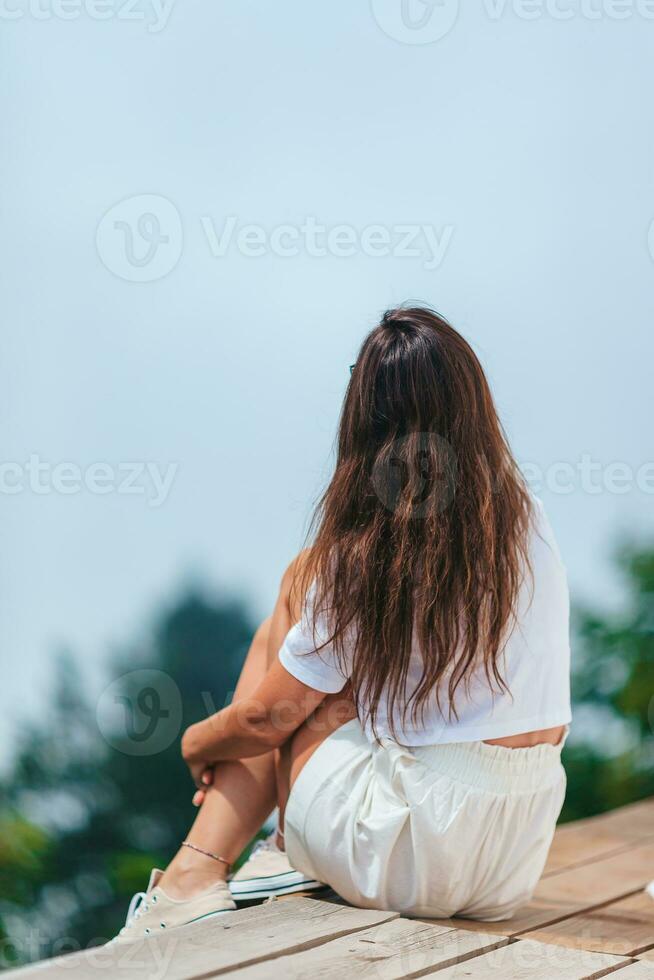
(267, 872)
(153, 911)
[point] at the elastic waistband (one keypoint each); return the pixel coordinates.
(494, 767)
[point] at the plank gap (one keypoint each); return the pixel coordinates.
(578, 911)
(616, 851)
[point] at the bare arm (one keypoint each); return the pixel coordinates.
(253, 725)
(263, 721)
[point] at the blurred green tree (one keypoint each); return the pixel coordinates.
(610, 758)
(92, 803)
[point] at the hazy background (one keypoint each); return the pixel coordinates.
(527, 139)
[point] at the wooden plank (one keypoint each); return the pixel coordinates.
(535, 914)
(586, 840)
(527, 960)
(213, 946)
(574, 845)
(625, 928)
(393, 950)
(633, 822)
(604, 880)
(635, 971)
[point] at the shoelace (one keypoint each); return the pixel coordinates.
(137, 906)
(268, 844)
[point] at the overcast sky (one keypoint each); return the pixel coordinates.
(205, 206)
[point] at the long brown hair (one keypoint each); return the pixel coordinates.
(421, 535)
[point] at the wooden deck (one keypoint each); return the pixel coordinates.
(590, 917)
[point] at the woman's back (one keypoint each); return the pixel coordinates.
(534, 664)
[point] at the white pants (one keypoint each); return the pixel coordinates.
(429, 831)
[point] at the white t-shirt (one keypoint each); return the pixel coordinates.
(535, 664)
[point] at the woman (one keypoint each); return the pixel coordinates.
(406, 704)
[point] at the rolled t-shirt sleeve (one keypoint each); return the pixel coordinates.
(317, 668)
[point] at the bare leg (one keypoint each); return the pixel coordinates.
(242, 796)
(244, 792)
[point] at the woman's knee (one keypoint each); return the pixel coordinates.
(332, 713)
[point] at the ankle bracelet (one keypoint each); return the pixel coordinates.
(209, 854)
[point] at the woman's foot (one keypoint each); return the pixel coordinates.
(268, 872)
(193, 871)
(155, 911)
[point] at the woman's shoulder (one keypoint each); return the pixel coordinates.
(544, 548)
(294, 583)
(539, 519)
